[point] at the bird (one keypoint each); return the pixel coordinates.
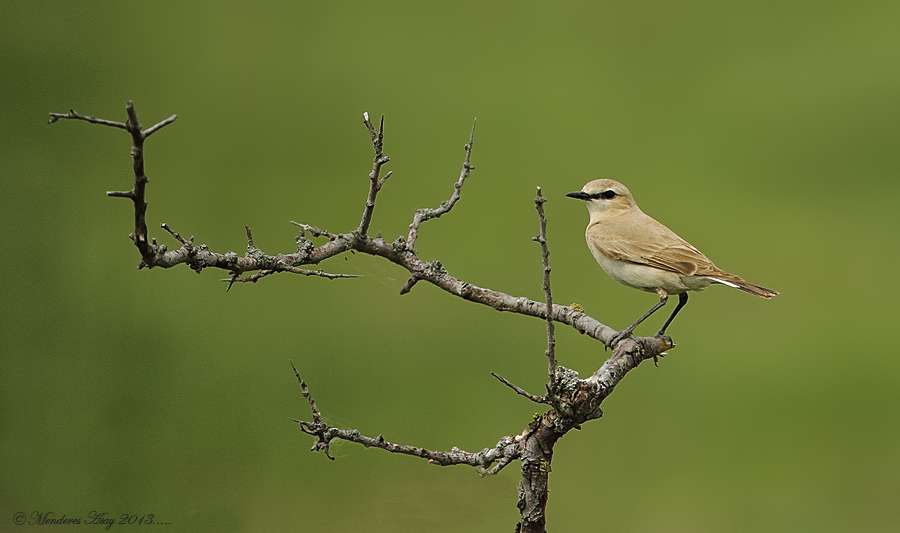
(639, 252)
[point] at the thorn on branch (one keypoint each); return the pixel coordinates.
(231, 281)
(316, 232)
(156, 127)
(410, 283)
(521, 391)
(188, 243)
(249, 237)
(121, 194)
(304, 390)
(384, 179)
(253, 278)
(377, 136)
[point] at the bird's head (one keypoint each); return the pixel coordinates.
(605, 198)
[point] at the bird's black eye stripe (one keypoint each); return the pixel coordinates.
(606, 195)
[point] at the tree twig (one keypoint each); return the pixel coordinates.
(75, 116)
(316, 232)
(504, 452)
(539, 202)
(136, 194)
(424, 214)
(253, 278)
(520, 390)
(375, 183)
(178, 237)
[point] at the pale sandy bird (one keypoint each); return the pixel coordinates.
(637, 251)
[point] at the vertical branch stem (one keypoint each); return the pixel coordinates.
(374, 182)
(140, 181)
(148, 249)
(137, 194)
(539, 202)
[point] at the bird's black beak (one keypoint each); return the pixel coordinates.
(581, 195)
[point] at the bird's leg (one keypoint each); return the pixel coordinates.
(682, 301)
(663, 297)
(661, 334)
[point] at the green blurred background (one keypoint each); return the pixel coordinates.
(765, 133)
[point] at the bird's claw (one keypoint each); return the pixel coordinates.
(666, 339)
(669, 345)
(617, 338)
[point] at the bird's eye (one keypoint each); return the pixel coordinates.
(608, 195)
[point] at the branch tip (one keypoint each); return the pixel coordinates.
(520, 390)
(410, 283)
(156, 127)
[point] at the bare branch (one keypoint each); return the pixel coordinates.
(293, 270)
(73, 115)
(148, 250)
(504, 452)
(374, 183)
(427, 214)
(521, 391)
(627, 355)
(304, 390)
(178, 237)
(316, 232)
(199, 257)
(539, 202)
(317, 425)
(156, 127)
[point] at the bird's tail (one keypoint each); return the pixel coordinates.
(739, 283)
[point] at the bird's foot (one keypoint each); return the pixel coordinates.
(665, 338)
(669, 343)
(618, 337)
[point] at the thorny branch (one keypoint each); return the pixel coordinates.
(199, 257)
(375, 183)
(573, 400)
(504, 452)
(136, 194)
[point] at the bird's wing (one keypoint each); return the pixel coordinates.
(653, 245)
